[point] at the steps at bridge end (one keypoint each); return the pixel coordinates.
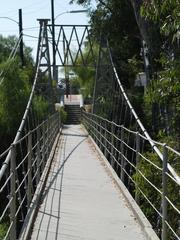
(73, 113)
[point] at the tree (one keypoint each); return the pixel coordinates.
(147, 29)
(7, 44)
(164, 91)
(85, 76)
(14, 93)
(115, 20)
(166, 14)
(158, 23)
(15, 84)
(154, 175)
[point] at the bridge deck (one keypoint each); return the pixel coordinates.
(80, 200)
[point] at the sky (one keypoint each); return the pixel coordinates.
(31, 11)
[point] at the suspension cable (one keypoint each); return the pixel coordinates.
(11, 57)
(18, 134)
(172, 171)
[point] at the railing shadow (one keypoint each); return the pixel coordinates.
(44, 195)
(62, 165)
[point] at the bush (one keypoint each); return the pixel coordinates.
(14, 94)
(40, 106)
(3, 230)
(63, 114)
(155, 176)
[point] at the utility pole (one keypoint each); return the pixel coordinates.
(21, 37)
(53, 40)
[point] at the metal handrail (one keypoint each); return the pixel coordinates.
(170, 168)
(118, 154)
(23, 172)
(18, 134)
(24, 161)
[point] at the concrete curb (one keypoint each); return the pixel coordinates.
(32, 212)
(143, 221)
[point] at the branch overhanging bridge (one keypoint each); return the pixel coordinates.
(86, 181)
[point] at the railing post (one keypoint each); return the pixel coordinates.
(96, 127)
(105, 136)
(48, 137)
(122, 154)
(13, 194)
(81, 114)
(43, 146)
(96, 130)
(89, 124)
(29, 188)
(178, 231)
(112, 144)
(137, 162)
(84, 121)
(59, 122)
(164, 193)
(100, 133)
(38, 156)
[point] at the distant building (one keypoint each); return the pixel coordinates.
(141, 80)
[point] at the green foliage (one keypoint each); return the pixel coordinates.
(155, 176)
(63, 114)
(135, 64)
(40, 106)
(85, 76)
(165, 91)
(82, 2)
(14, 93)
(116, 21)
(3, 230)
(167, 14)
(15, 87)
(75, 86)
(7, 45)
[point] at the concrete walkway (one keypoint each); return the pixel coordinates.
(80, 201)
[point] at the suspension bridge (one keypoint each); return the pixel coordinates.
(89, 179)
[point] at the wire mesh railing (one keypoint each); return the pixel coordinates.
(28, 157)
(142, 171)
